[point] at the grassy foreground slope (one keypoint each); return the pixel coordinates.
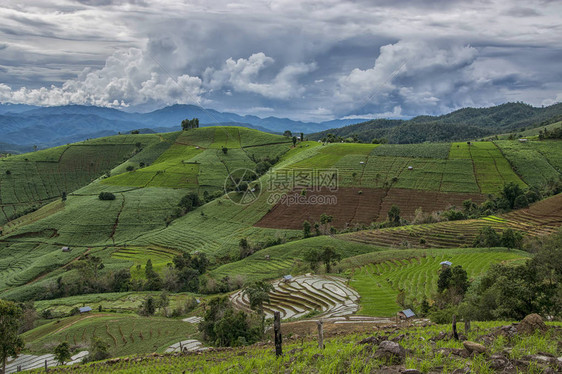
(345, 354)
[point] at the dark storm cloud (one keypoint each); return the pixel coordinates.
(307, 60)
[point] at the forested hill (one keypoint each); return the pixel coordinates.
(463, 124)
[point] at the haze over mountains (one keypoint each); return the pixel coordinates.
(26, 125)
(23, 126)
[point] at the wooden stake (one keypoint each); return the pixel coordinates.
(466, 326)
(320, 324)
(46, 366)
(278, 337)
(455, 335)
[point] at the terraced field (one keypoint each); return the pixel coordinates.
(286, 258)
(529, 162)
(328, 295)
(540, 218)
(29, 181)
(491, 169)
(379, 283)
(125, 334)
(160, 258)
(196, 159)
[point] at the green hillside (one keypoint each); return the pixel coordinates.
(127, 231)
(247, 241)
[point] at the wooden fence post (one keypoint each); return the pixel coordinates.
(320, 324)
(277, 330)
(466, 326)
(46, 366)
(455, 335)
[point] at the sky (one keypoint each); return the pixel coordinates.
(311, 60)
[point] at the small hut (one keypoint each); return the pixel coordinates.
(65, 249)
(85, 309)
(410, 168)
(287, 278)
(405, 315)
(445, 264)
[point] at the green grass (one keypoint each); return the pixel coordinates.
(415, 272)
(342, 354)
(125, 334)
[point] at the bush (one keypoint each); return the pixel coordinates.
(106, 196)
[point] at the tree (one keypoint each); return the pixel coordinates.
(394, 215)
(487, 237)
(511, 239)
(189, 201)
(330, 257)
(63, 197)
(10, 321)
(148, 307)
(510, 192)
(164, 302)
(294, 141)
(62, 353)
(312, 256)
(99, 350)
(224, 150)
(187, 124)
(306, 229)
(258, 293)
(288, 133)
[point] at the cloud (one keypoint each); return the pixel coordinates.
(128, 78)
(305, 60)
(242, 75)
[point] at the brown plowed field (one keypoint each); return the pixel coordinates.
(362, 206)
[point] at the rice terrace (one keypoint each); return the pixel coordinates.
(281, 187)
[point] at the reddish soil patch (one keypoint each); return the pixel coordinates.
(360, 206)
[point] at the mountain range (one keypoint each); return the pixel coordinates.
(23, 126)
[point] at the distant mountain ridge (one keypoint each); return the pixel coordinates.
(462, 124)
(23, 126)
(26, 125)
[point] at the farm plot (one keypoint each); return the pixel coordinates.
(121, 302)
(379, 283)
(529, 162)
(540, 218)
(125, 334)
(328, 155)
(491, 169)
(286, 258)
(552, 151)
(31, 180)
(29, 362)
(350, 207)
(328, 295)
(433, 150)
(160, 258)
(424, 174)
(22, 262)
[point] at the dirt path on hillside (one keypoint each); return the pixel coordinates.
(81, 319)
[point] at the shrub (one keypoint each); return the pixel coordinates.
(106, 196)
